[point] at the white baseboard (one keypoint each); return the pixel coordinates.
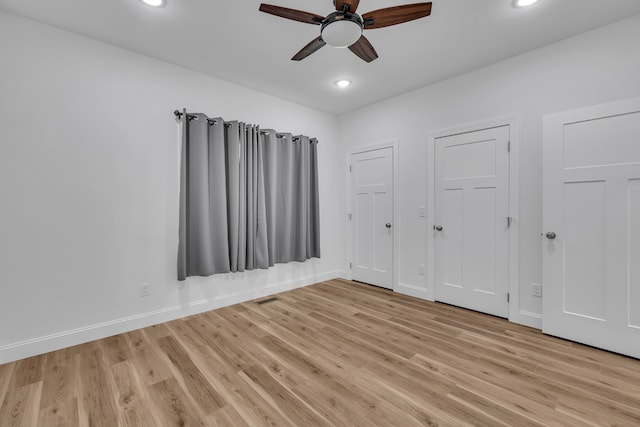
(526, 318)
(533, 320)
(413, 291)
(57, 341)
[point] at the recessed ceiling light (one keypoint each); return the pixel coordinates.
(343, 83)
(155, 3)
(524, 3)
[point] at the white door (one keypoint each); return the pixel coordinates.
(472, 220)
(372, 217)
(591, 220)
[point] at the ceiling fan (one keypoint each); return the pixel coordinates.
(344, 27)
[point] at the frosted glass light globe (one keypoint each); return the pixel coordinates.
(341, 33)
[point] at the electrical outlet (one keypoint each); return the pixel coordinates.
(536, 289)
(145, 290)
(421, 269)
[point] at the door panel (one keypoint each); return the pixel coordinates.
(484, 239)
(585, 252)
(363, 225)
(452, 261)
(383, 239)
(372, 202)
(591, 201)
(583, 143)
(470, 159)
(472, 206)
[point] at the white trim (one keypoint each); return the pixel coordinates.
(526, 318)
(412, 291)
(394, 145)
(45, 344)
(514, 204)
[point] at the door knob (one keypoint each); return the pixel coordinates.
(388, 225)
(437, 227)
(551, 235)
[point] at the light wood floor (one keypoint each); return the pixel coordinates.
(332, 354)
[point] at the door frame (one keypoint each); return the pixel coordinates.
(393, 144)
(513, 285)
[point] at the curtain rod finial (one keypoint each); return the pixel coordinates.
(178, 114)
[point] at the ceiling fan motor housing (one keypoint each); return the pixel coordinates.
(341, 29)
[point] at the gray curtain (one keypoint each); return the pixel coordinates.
(248, 198)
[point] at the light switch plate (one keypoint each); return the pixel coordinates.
(536, 289)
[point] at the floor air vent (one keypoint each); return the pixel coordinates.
(265, 301)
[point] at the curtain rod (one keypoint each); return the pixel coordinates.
(179, 115)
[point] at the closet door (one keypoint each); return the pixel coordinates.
(471, 216)
(372, 217)
(591, 220)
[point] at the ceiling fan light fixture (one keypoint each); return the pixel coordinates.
(524, 3)
(341, 33)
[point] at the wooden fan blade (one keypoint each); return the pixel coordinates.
(352, 5)
(395, 15)
(313, 46)
(363, 49)
(296, 15)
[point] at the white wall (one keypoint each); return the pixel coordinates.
(89, 156)
(595, 67)
(89, 172)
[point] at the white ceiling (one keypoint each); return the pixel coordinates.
(233, 41)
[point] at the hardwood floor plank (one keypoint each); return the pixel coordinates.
(434, 403)
(342, 384)
(501, 391)
(156, 332)
(60, 379)
(500, 414)
(419, 414)
(360, 336)
(233, 321)
(251, 407)
(115, 349)
(6, 373)
(28, 371)
(171, 406)
(219, 341)
(131, 397)
(339, 411)
(226, 417)
(20, 406)
(627, 406)
(151, 364)
(96, 404)
(60, 414)
(286, 402)
(337, 353)
(203, 393)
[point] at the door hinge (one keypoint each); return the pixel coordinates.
(350, 266)
(509, 221)
(349, 168)
(508, 298)
(349, 216)
(509, 147)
